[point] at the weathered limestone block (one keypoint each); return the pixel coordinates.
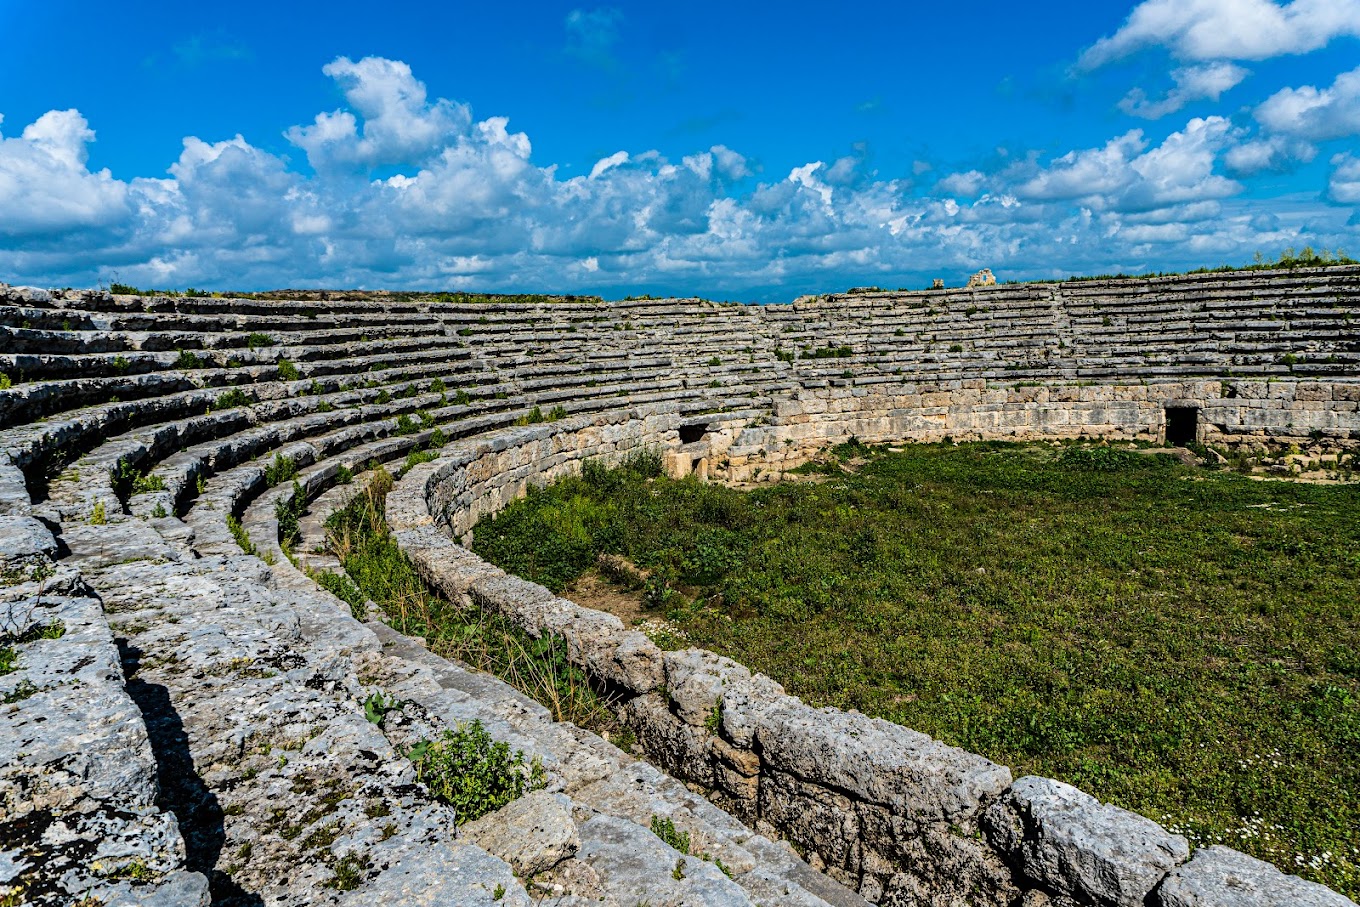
(742, 704)
(934, 863)
(1311, 391)
(13, 488)
(820, 820)
(677, 747)
(1222, 877)
(696, 680)
(532, 834)
(637, 867)
(441, 875)
(1069, 843)
(76, 740)
(178, 889)
(917, 777)
(24, 542)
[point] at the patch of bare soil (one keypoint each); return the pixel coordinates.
(592, 590)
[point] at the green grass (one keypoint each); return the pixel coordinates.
(340, 585)
(1180, 642)
(239, 533)
(379, 571)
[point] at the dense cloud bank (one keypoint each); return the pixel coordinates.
(401, 190)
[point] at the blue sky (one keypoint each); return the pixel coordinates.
(727, 150)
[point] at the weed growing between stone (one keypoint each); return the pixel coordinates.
(287, 512)
(536, 667)
(1179, 641)
(239, 533)
(473, 773)
(666, 831)
(343, 588)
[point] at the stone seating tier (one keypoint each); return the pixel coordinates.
(206, 634)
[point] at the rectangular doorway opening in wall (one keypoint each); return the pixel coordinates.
(1182, 425)
(691, 433)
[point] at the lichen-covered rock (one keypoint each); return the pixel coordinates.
(24, 543)
(922, 779)
(696, 681)
(1071, 844)
(533, 834)
(744, 701)
(178, 889)
(441, 876)
(637, 867)
(1222, 877)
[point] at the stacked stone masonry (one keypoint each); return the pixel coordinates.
(183, 722)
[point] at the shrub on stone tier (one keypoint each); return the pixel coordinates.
(473, 773)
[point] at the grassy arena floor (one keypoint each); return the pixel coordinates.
(1180, 642)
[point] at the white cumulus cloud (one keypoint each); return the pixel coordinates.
(1344, 186)
(1193, 83)
(45, 186)
(1315, 114)
(1125, 174)
(1228, 29)
(1275, 153)
(399, 124)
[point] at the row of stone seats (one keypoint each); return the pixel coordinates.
(594, 371)
(289, 829)
(78, 777)
(196, 400)
(242, 433)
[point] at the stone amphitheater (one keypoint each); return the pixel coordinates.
(197, 735)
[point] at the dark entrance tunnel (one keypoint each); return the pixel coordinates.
(1182, 425)
(691, 433)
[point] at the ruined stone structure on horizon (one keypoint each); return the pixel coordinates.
(201, 720)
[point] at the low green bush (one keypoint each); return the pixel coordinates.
(280, 470)
(239, 533)
(473, 773)
(665, 830)
(287, 512)
(231, 399)
(343, 588)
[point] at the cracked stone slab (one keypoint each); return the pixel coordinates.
(1069, 842)
(1223, 877)
(533, 834)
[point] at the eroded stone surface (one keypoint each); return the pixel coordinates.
(1222, 877)
(1073, 845)
(533, 834)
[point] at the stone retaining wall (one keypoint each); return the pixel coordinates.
(904, 819)
(1228, 411)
